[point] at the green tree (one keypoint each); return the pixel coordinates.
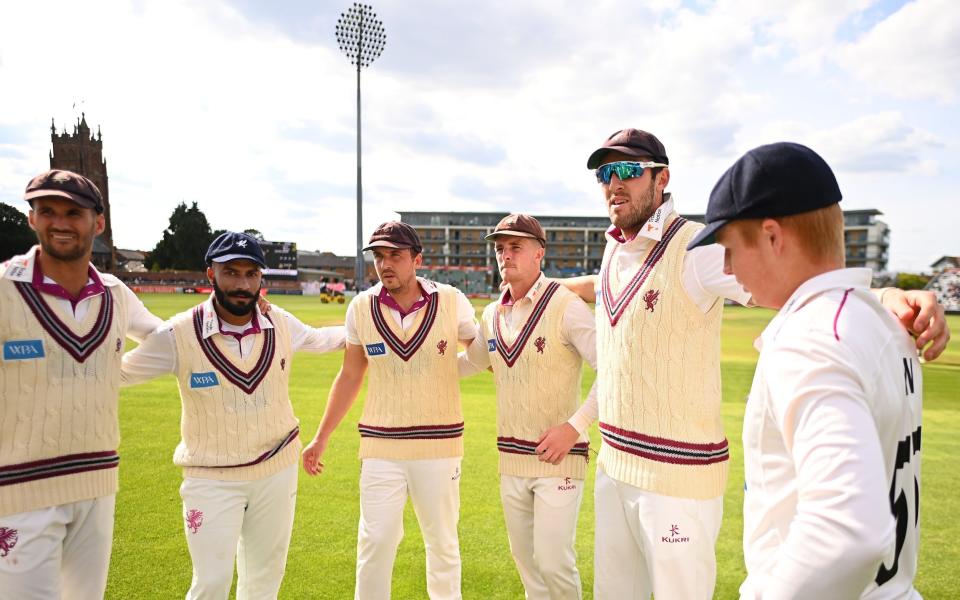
(184, 242)
(16, 237)
(911, 281)
(254, 233)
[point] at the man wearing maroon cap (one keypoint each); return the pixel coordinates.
(404, 331)
(662, 468)
(535, 338)
(62, 326)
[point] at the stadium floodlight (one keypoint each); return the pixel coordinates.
(361, 37)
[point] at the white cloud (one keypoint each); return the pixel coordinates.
(913, 53)
(248, 108)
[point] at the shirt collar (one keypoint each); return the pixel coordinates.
(427, 288)
(533, 294)
(855, 278)
(26, 268)
(211, 321)
(652, 229)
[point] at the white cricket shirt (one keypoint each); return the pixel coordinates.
(831, 442)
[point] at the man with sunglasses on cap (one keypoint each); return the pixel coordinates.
(404, 330)
(831, 433)
(62, 327)
(662, 468)
(240, 440)
(536, 337)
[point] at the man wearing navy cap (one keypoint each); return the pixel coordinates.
(662, 468)
(240, 439)
(831, 433)
(62, 328)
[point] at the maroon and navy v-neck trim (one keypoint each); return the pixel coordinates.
(510, 353)
(616, 306)
(405, 349)
(80, 347)
(248, 381)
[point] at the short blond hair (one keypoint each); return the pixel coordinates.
(820, 231)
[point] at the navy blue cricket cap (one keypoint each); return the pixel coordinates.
(776, 180)
(231, 245)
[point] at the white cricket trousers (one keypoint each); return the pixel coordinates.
(434, 489)
(258, 514)
(57, 552)
(648, 542)
(541, 516)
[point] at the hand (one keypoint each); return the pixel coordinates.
(263, 305)
(311, 456)
(922, 316)
(556, 442)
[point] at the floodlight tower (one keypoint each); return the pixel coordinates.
(361, 37)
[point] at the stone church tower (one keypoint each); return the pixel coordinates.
(82, 153)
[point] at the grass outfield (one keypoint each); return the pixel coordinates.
(150, 558)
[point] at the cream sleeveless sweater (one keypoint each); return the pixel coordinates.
(658, 362)
(412, 409)
(59, 386)
(538, 384)
(237, 422)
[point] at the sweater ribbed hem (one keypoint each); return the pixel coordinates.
(53, 491)
(521, 465)
(283, 459)
(410, 449)
(699, 482)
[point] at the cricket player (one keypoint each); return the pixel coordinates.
(62, 327)
(405, 331)
(536, 337)
(831, 433)
(240, 440)
(662, 467)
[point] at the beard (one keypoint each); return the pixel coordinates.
(240, 310)
(82, 248)
(640, 211)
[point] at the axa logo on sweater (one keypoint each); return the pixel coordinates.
(379, 349)
(23, 349)
(203, 380)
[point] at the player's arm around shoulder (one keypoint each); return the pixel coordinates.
(467, 327)
(921, 315)
(140, 321)
(476, 357)
(156, 355)
(312, 339)
(584, 286)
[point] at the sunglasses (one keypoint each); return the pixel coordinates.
(624, 170)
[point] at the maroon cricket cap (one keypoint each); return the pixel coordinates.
(57, 183)
(519, 225)
(394, 234)
(632, 142)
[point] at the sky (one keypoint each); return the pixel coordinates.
(249, 108)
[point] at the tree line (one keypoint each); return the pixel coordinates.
(181, 248)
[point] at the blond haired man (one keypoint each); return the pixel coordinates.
(831, 434)
(536, 337)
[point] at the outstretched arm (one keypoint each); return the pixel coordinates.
(343, 393)
(584, 286)
(155, 356)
